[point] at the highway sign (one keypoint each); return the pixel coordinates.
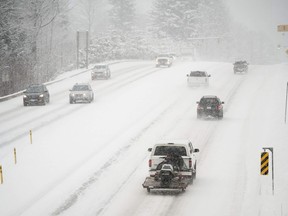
(264, 163)
(282, 28)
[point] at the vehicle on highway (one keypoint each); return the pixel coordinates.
(240, 67)
(101, 71)
(164, 60)
(81, 92)
(172, 55)
(198, 78)
(172, 165)
(36, 94)
(210, 106)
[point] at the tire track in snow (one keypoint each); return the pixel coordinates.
(206, 138)
(169, 203)
(58, 113)
(68, 203)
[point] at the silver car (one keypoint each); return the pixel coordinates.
(101, 71)
(81, 92)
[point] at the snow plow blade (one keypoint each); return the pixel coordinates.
(151, 183)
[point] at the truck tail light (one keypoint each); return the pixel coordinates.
(190, 163)
(150, 163)
(200, 107)
(219, 107)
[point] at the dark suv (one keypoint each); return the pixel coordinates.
(210, 105)
(240, 67)
(36, 94)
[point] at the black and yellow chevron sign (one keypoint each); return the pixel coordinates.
(264, 163)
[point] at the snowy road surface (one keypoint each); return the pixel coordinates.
(91, 159)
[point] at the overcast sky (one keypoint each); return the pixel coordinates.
(261, 15)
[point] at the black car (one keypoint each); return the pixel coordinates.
(36, 94)
(210, 105)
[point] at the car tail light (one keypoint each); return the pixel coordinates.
(219, 107)
(190, 162)
(150, 163)
(200, 107)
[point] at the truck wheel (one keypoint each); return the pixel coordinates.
(190, 179)
(194, 175)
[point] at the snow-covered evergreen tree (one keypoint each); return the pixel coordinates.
(177, 19)
(122, 14)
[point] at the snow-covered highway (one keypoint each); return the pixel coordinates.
(91, 159)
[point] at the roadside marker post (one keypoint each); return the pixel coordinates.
(15, 156)
(1, 175)
(265, 164)
(30, 136)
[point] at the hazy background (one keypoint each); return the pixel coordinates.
(261, 15)
(256, 15)
(38, 37)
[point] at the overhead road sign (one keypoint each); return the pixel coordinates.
(282, 28)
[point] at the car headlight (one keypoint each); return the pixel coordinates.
(24, 96)
(41, 95)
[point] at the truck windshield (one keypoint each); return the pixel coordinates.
(165, 150)
(198, 74)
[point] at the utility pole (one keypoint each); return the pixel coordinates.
(77, 51)
(283, 29)
(87, 48)
(286, 103)
(80, 38)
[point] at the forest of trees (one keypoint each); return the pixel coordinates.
(38, 37)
